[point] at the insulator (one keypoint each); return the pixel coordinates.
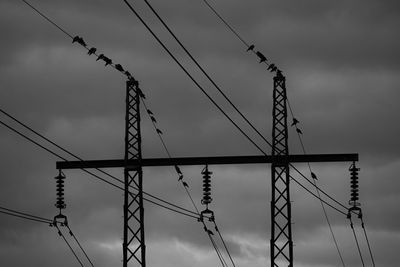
(206, 186)
(354, 196)
(60, 204)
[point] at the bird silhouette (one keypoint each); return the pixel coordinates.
(140, 91)
(299, 131)
(153, 119)
(107, 61)
(75, 39)
(119, 67)
(314, 176)
(92, 51)
(81, 42)
(180, 177)
(250, 48)
(149, 112)
(185, 184)
(210, 232)
(159, 131)
(261, 56)
(101, 56)
(295, 122)
(178, 170)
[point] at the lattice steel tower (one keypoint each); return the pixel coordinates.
(281, 226)
(133, 244)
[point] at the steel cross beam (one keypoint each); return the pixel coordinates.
(281, 234)
(223, 160)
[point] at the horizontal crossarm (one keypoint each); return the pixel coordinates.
(152, 162)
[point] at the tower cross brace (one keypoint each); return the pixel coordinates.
(281, 243)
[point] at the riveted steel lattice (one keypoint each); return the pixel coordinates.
(281, 227)
(134, 243)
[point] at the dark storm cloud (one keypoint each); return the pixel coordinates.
(341, 63)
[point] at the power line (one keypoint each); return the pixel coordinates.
(69, 246)
(48, 19)
(227, 24)
(204, 72)
(189, 75)
(24, 216)
(295, 122)
(356, 239)
(366, 238)
(215, 104)
(80, 246)
(181, 211)
(185, 186)
(114, 66)
(79, 158)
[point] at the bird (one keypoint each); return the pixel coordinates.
(119, 67)
(75, 39)
(178, 170)
(185, 184)
(299, 131)
(295, 122)
(92, 51)
(81, 42)
(314, 176)
(159, 131)
(140, 91)
(180, 177)
(261, 56)
(271, 66)
(250, 48)
(149, 112)
(210, 232)
(101, 56)
(107, 61)
(153, 119)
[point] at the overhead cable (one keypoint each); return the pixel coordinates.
(356, 239)
(128, 74)
(69, 246)
(79, 158)
(24, 215)
(181, 211)
(366, 238)
(79, 244)
(212, 100)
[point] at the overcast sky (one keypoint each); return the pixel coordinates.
(341, 61)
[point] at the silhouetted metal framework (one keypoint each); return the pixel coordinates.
(134, 242)
(281, 234)
(281, 243)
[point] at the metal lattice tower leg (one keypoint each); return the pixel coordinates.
(134, 245)
(281, 226)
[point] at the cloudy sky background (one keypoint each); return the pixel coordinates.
(341, 60)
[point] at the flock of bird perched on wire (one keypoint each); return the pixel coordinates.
(108, 61)
(271, 67)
